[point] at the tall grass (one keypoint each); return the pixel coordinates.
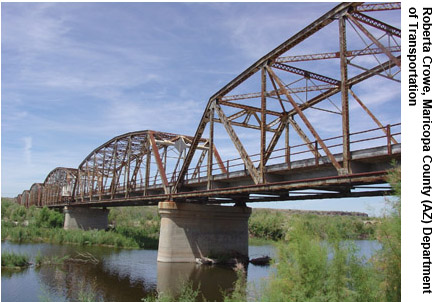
(61, 236)
(133, 227)
(12, 260)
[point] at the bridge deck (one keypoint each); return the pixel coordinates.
(301, 179)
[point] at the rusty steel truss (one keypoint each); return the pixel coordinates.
(137, 164)
(58, 185)
(281, 103)
(294, 119)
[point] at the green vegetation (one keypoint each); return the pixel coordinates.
(46, 218)
(12, 260)
(187, 293)
(132, 227)
(138, 227)
(84, 258)
(46, 260)
(239, 292)
(274, 225)
(311, 270)
(388, 260)
(141, 224)
(32, 233)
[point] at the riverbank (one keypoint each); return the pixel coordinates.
(139, 227)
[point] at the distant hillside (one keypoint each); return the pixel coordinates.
(8, 199)
(327, 213)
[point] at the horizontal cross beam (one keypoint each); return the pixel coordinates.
(306, 74)
(336, 55)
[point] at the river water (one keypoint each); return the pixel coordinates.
(124, 275)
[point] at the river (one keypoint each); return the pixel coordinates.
(123, 275)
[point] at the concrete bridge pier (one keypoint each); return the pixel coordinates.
(85, 218)
(189, 231)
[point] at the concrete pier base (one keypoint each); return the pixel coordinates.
(189, 231)
(85, 218)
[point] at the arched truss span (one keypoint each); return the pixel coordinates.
(58, 186)
(36, 195)
(18, 200)
(138, 163)
(25, 198)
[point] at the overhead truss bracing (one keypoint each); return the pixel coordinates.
(138, 163)
(278, 95)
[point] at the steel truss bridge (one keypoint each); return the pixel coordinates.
(297, 123)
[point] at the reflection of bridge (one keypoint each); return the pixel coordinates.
(344, 149)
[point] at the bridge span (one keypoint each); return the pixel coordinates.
(298, 123)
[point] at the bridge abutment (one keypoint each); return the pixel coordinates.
(190, 231)
(85, 218)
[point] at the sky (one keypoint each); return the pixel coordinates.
(75, 75)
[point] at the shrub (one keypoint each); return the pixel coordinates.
(310, 270)
(388, 260)
(49, 218)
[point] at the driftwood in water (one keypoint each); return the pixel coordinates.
(265, 260)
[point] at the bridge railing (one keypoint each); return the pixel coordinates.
(376, 137)
(285, 158)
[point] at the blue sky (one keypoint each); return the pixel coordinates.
(74, 75)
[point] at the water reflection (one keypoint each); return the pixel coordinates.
(212, 281)
(120, 275)
(70, 279)
(125, 275)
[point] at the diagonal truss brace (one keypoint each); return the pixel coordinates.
(159, 162)
(306, 121)
(244, 155)
(374, 118)
(275, 138)
(304, 137)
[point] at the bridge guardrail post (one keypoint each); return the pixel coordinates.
(389, 143)
(316, 153)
